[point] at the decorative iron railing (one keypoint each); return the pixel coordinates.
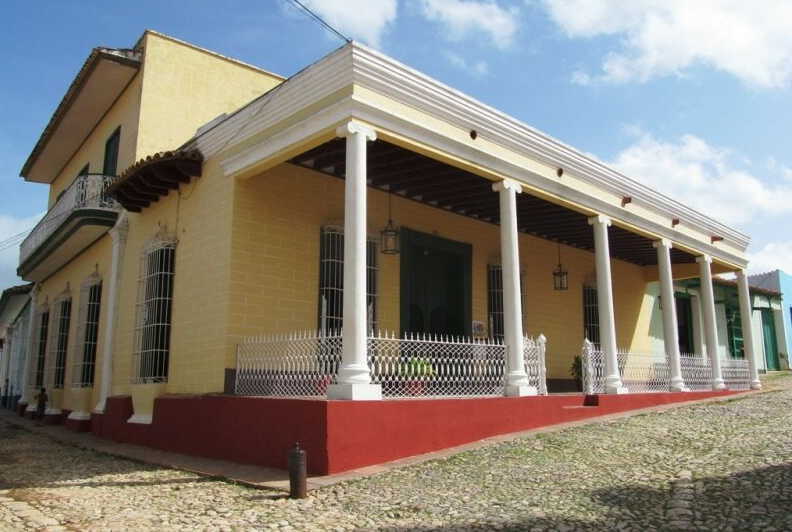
(647, 373)
(426, 365)
(412, 365)
(299, 364)
(534, 351)
(86, 192)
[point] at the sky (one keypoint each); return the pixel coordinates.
(690, 98)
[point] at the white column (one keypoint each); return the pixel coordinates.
(26, 398)
(670, 327)
(119, 235)
(708, 310)
(747, 327)
(354, 378)
(607, 320)
(517, 383)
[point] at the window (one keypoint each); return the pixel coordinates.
(734, 331)
(495, 299)
(41, 348)
(591, 315)
(111, 153)
(155, 297)
(331, 280)
(60, 341)
(87, 332)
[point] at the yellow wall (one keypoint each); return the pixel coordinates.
(199, 215)
(94, 259)
(275, 261)
(185, 87)
(124, 113)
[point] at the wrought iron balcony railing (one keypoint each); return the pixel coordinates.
(87, 192)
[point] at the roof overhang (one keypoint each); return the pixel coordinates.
(414, 111)
(98, 84)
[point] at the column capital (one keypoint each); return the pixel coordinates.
(600, 219)
(704, 259)
(353, 127)
(663, 242)
(507, 184)
(741, 274)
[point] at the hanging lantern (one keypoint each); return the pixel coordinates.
(389, 237)
(560, 275)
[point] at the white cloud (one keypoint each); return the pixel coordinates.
(11, 226)
(478, 69)
(364, 20)
(664, 37)
(773, 256)
(704, 177)
(465, 18)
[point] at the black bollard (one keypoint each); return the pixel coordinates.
(298, 473)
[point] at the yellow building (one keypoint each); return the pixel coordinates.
(357, 231)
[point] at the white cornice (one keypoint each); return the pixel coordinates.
(358, 65)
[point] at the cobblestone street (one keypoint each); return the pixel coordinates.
(715, 466)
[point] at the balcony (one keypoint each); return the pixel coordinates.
(83, 213)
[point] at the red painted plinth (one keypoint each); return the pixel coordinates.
(77, 425)
(20, 408)
(343, 435)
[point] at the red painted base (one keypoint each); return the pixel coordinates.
(54, 419)
(20, 408)
(77, 425)
(343, 435)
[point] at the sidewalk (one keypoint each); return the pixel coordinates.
(275, 479)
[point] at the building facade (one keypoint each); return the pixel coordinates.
(358, 231)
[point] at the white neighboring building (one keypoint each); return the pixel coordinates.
(14, 339)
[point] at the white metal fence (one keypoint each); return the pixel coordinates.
(413, 365)
(298, 364)
(86, 192)
(646, 373)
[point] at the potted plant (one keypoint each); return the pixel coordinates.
(416, 373)
(576, 370)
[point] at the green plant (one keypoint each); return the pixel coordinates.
(576, 369)
(417, 367)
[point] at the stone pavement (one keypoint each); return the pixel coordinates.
(722, 465)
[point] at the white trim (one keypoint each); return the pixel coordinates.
(364, 67)
(52, 411)
(140, 419)
(79, 415)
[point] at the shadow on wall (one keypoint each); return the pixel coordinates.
(754, 500)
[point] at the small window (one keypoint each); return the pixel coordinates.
(111, 153)
(41, 348)
(155, 297)
(591, 329)
(60, 342)
(87, 333)
(495, 299)
(331, 280)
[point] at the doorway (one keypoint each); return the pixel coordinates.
(435, 284)
(769, 335)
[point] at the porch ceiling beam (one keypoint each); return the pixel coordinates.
(401, 176)
(438, 187)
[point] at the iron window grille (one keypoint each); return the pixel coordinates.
(42, 331)
(87, 335)
(331, 280)
(591, 330)
(59, 342)
(154, 312)
(495, 299)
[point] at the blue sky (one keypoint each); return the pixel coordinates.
(691, 98)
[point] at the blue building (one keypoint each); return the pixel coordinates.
(778, 281)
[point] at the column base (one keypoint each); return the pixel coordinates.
(355, 392)
(678, 386)
(519, 390)
(619, 389)
(100, 407)
(21, 407)
(756, 385)
(718, 384)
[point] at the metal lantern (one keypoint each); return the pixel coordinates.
(389, 237)
(560, 275)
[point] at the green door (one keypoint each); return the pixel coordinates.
(769, 334)
(435, 284)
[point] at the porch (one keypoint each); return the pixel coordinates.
(441, 346)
